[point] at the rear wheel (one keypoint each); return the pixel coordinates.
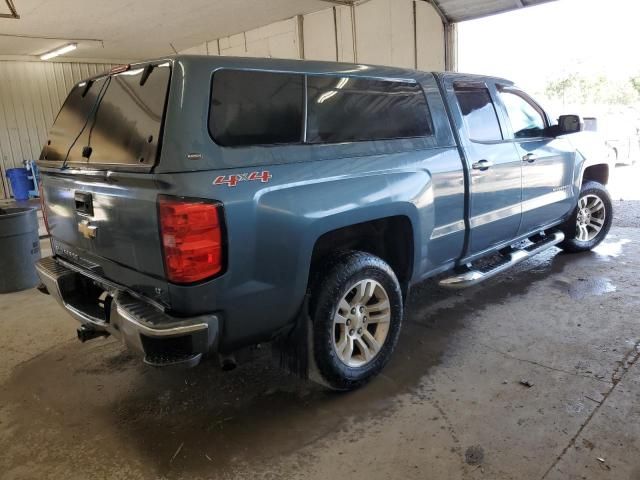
(356, 316)
(591, 221)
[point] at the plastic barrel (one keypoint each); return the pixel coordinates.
(20, 183)
(19, 249)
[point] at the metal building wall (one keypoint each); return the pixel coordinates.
(402, 33)
(31, 93)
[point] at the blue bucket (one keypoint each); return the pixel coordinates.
(20, 183)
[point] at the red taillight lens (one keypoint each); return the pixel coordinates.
(191, 239)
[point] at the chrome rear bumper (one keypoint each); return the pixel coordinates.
(164, 340)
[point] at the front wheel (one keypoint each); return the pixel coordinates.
(591, 221)
(356, 319)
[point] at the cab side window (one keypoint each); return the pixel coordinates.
(478, 113)
(527, 119)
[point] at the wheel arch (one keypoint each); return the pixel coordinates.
(392, 238)
(597, 173)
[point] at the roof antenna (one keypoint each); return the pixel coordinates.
(173, 48)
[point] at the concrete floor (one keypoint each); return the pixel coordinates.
(450, 404)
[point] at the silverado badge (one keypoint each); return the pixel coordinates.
(87, 231)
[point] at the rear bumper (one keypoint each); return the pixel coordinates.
(164, 340)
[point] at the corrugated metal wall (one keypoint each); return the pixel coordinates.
(401, 33)
(31, 93)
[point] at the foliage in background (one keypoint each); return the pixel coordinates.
(635, 81)
(577, 88)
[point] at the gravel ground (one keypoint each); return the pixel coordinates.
(626, 213)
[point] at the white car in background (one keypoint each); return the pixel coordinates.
(621, 135)
(592, 145)
(616, 137)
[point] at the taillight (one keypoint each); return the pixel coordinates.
(43, 208)
(192, 238)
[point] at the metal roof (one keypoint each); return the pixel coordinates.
(461, 10)
(453, 11)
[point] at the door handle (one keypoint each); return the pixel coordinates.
(482, 165)
(529, 157)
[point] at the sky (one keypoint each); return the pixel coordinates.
(533, 45)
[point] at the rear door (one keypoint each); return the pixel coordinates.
(547, 162)
(100, 197)
(492, 162)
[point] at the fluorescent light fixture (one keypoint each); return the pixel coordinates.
(59, 51)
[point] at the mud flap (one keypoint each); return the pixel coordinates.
(293, 350)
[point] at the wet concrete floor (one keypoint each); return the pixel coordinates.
(452, 404)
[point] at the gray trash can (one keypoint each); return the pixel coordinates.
(19, 249)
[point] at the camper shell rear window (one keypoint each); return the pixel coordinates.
(115, 119)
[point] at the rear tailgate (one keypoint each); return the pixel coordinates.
(116, 236)
(101, 199)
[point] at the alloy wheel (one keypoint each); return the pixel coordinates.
(591, 217)
(361, 323)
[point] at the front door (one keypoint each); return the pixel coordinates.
(494, 167)
(547, 162)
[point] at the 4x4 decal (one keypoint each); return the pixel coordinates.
(232, 180)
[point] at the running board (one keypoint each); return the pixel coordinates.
(474, 276)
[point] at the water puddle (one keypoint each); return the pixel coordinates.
(611, 248)
(589, 287)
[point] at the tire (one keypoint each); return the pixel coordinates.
(594, 210)
(346, 327)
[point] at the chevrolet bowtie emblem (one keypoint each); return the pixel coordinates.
(87, 231)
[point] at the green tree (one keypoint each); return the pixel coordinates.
(635, 83)
(575, 88)
(561, 87)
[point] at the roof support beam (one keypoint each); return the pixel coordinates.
(346, 2)
(451, 47)
(436, 6)
(462, 10)
(13, 13)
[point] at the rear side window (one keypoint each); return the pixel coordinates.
(347, 109)
(478, 113)
(256, 108)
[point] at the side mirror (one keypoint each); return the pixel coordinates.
(570, 124)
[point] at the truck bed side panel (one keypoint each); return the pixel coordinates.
(272, 228)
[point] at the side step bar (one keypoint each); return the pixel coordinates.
(474, 276)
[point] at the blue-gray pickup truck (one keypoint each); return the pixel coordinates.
(201, 205)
